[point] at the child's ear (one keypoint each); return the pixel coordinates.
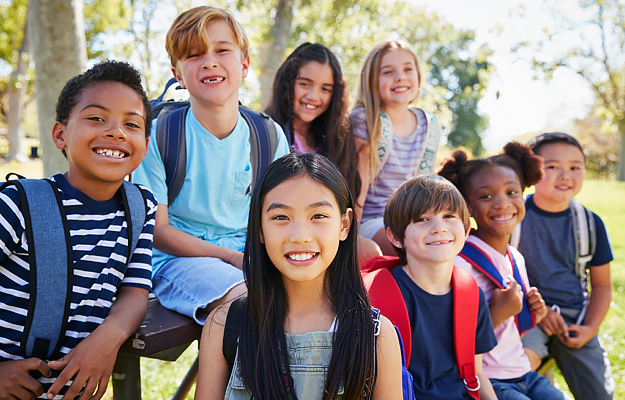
(58, 135)
(391, 238)
(346, 223)
(178, 77)
(245, 67)
(262, 237)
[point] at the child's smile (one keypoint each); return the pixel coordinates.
(302, 227)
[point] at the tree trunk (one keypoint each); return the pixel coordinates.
(17, 90)
(273, 48)
(57, 37)
(620, 165)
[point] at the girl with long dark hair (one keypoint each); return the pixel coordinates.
(306, 328)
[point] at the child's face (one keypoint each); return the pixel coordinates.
(564, 171)
(302, 226)
(399, 80)
(104, 138)
(312, 92)
(495, 200)
(213, 78)
(434, 238)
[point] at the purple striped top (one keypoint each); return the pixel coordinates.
(403, 160)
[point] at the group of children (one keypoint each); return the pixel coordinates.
(277, 259)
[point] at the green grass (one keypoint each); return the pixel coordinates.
(604, 197)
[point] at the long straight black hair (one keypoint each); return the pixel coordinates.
(263, 358)
(330, 132)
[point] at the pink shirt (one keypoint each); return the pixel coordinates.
(507, 360)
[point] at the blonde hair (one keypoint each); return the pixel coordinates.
(368, 95)
(188, 32)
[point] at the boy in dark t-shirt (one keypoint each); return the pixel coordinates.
(427, 221)
(569, 331)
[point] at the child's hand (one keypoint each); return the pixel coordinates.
(553, 324)
(577, 337)
(90, 364)
(504, 303)
(16, 382)
(536, 304)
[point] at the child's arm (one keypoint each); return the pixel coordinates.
(388, 384)
(505, 303)
(598, 306)
(362, 146)
(173, 241)
(93, 358)
(536, 304)
(486, 389)
(16, 381)
(213, 373)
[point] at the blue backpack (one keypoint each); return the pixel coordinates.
(51, 261)
(170, 138)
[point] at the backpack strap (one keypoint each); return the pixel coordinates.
(171, 142)
(585, 237)
(135, 209)
(386, 295)
(480, 261)
(263, 141)
(232, 330)
(51, 268)
(466, 297)
(385, 141)
(433, 134)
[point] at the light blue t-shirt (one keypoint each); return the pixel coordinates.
(214, 201)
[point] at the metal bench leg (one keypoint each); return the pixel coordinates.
(187, 382)
(127, 377)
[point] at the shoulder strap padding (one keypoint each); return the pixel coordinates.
(171, 142)
(135, 209)
(51, 268)
(232, 330)
(433, 134)
(263, 141)
(387, 297)
(466, 298)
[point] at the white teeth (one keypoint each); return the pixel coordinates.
(401, 89)
(503, 217)
(111, 153)
(310, 106)
(440, 242)
(214, 80)
(301, 256)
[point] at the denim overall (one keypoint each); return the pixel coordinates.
(309, 357)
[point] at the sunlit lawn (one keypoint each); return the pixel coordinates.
(606, 198)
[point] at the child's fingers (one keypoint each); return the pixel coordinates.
(89, 388)
(101, 388)
(61, 362)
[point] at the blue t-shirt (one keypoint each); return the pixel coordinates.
(214, 201)
(548, 245)
(99, 237)
(433, 361)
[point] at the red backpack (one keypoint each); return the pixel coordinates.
(386, 296)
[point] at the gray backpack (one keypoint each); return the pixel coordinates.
(51, 261)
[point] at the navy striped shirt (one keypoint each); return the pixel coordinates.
(99, 237)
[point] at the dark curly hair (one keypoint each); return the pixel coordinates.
(520, 158)
(331, 135)
(106, 71)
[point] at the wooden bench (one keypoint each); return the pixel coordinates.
(163, 335)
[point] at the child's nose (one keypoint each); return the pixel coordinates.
(438, 226)
(116, 131)
(300, 233)
(209, 60)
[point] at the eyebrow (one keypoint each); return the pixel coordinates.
(281, 206)
(507, 183)
(560, 161)
(391, 65)
(101, 107)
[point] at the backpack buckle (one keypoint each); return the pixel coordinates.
(477, 381)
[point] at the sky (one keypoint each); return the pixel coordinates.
(524, 105)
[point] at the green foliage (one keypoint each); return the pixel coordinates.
(104, 18)
(12, 21)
